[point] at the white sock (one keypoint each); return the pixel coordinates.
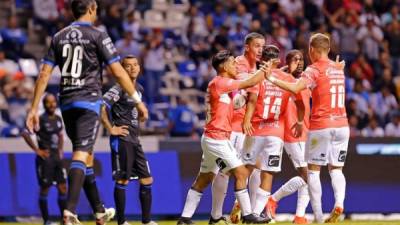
(339, 186)
(254, 183)
(192, 201)
(302, 201)
(261, 201)
(219, 188)
(315, 192)
(244, 201)
(289, 188)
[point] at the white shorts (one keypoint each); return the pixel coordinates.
(218, 155)
(266, 149)
(237, 140)
(296, 151)
(327, 146)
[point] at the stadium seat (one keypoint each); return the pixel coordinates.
(175, 19)
(187, 68)
(162, 5)
(28, 67)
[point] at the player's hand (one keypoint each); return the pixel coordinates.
(297, 129)
(119, 130)
(248, 129)
(143, 112)
(32, 121)
(43, 153)
(266, 68)
(340, 64)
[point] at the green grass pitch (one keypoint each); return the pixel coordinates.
(346, 222)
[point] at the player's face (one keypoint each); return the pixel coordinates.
(254, 48)
(132, 67)
(295, 63)
(50, 104)
(230, 67)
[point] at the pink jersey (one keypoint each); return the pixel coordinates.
(243, 70)
(219, 107)
(291, 118)
(269, 115)
(327, 83)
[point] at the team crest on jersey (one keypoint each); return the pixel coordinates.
(74, 34)
(225, 99)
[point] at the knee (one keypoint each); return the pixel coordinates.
(202, 181)
(123, 182)
(146, 181)
(241, 173)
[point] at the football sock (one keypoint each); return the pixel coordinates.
(76, 177)
(92, 192)
(289, 188)
(315, 192)
(254, 184)
(339, 186)
(192, 201)
(302, 201)
(244, 201)
(120, 198)
(62, 201)
(219, 188)
(43, 207)
(261, 201)
(145, 202)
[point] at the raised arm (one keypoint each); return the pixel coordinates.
(264, 71)
(294, 87)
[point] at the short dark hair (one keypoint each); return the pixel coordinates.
(250, 37)
(270, 52)
(128, 57)
(80, 7)
(292, 53)
(219, 58)
(44, 100)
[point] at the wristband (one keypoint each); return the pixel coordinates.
(136, 97)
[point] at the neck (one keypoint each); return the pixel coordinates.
(85, 18)
(252, 62)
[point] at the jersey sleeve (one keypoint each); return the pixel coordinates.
(50, 58)
(310, 75)
(111, 96)
(227, 85)
(107, 50)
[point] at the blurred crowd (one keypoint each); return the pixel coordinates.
(365, 33)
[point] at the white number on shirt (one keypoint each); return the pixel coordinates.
(76, 55)
(274, 108)
(337, 92)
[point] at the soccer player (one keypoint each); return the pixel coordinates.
(264, 124)
(79, 50)
(294, 146)
(218, 151)
(49, 155)
(328, 137)
(128, 159)
(245, 66)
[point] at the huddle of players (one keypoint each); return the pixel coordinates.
(80, 51)
(242, 140)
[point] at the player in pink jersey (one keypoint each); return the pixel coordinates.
(294, 145)
(264, 124)
(218, 151)
(245, 67)
(328, 137)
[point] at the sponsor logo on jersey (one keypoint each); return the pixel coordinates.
(342, 156)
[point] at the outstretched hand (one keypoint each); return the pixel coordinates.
(340, 64)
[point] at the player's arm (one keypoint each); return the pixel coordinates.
(250, 108)
(264, 71)
(60, 145)
(122, 78)
(32, 120)
(113, 130)
(298, 126)
(143, 112)
(294, 87)
(27, 137)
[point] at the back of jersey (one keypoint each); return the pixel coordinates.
(79, 50)
(327, 83)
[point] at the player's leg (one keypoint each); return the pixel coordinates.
(303, 198)
(122, 162)
(44, 190)
(317, 146)
(61, 179)
(142, 170)
(44, 179)
(337, 158)
(208, 170)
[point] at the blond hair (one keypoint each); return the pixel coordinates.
(320, 42)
